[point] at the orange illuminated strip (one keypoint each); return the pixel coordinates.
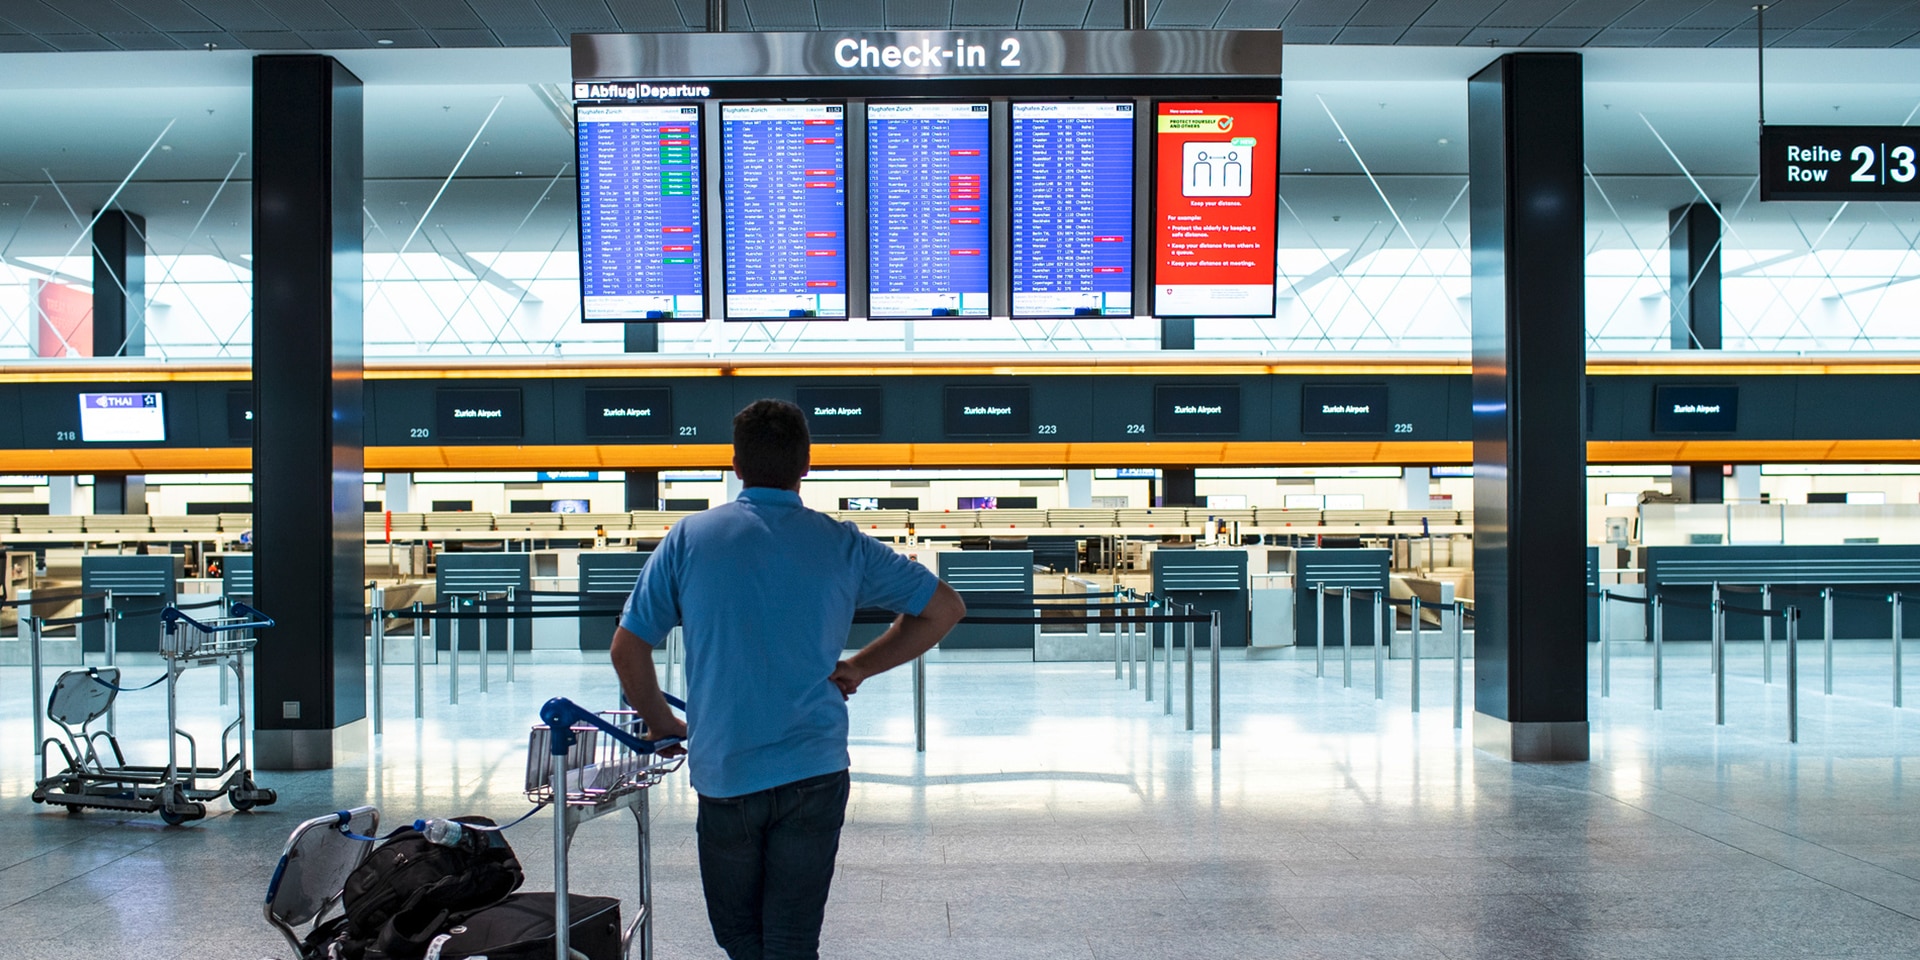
(118, 373)
(147, 460)
(1753, 451)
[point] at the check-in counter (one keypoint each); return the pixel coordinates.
(138, 583)
(985, 575)
(1797, 574)
(606, 579)
(1363, 569)
(1209, 580)
(469, 574)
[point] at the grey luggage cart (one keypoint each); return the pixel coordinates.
(589, 765)
(178, 793)
(313, 870)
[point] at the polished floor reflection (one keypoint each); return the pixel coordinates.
(1057, 813)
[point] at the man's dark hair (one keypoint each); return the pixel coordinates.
(770, 444)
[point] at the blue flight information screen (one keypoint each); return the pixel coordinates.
(640, 199)
(1073, 209)
(927, 221)
(785, 184)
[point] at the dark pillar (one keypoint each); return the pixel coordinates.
(119, 494)
(643, 338)
(1693, 245)
(308, 188)
(643, 489)
(1701, 483)
(1176, 333)
(1176, 485)
(1529, 446)
(119, 285)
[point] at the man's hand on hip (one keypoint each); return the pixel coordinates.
(847, 677)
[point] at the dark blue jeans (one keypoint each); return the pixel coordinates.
(766, 862)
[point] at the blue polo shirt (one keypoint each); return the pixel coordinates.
(765, 591)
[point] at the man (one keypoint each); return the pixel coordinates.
(765, 591)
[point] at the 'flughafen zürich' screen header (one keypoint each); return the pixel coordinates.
(927, 174)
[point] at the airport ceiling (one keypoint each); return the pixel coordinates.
(45, 25)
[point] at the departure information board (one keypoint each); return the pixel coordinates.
(927, 202)
(640, 217)
(1073, 209)
(1216, 176)
(123, 418)
(784, 179)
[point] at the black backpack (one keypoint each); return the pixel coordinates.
(408, 890)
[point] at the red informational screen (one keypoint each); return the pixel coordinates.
(1216, 175)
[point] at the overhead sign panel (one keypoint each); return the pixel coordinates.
(928, 197)
(1196, 410)
(641, 232)
(1855, 164)
(785, 184)
(1073, 209)
(629, 413)
(1695, 408)
(635, 66)
(1216, 177)
(987, 411)
(123, 418)
(840, 412)
(1343, 408)
(461, 414)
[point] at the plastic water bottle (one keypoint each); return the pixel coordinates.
(446, 833)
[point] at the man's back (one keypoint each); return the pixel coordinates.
(765, 590)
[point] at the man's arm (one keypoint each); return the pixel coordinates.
(633, 664)
(909, 637)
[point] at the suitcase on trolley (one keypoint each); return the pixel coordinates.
(521, 928)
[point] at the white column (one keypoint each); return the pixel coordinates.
(1746, 482)
(66, 499)
(1416, 486)
(399, 491)
(1079, 488)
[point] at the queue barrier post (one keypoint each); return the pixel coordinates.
(1383, 631)
(1826, 642)
(1793, 674)
(1214, 626)
(1606, 648)
(1166, 675)
(1416, 652)
(1142, 635)
(453, 654)
(1898, 633)
(377, 601)
(512, 605)
(1459, 663)
(1766, 634)
(1719, 660)
(1093, 631)
(34, 629)
(1346, 638)
(1320, 630)
(419, 664)
(920, 704)
(486, 643)
(1188, 609)
(1659, 659)
(112, 639)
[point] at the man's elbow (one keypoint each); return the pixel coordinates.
(947, 606)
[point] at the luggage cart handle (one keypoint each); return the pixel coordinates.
(560, 715)
(172, 616)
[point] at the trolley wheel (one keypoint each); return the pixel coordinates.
(240, 804)
(174, 818)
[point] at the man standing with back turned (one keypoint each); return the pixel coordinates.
(765, 591)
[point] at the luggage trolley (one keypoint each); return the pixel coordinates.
(589, 765)
(177, 793)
